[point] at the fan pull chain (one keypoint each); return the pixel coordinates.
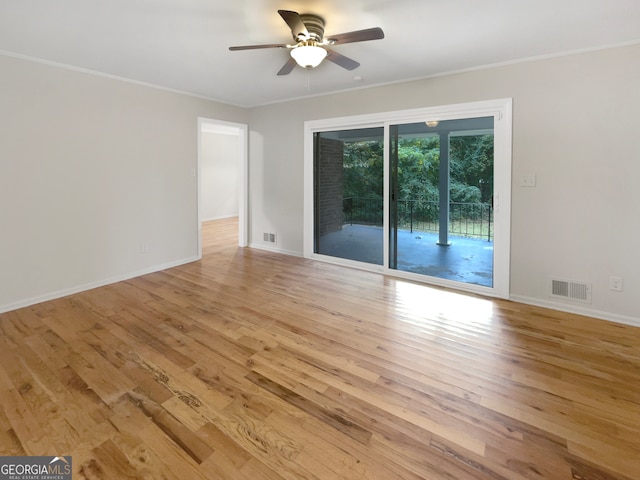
(307, 79)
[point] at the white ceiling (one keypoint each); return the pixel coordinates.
(183, 44)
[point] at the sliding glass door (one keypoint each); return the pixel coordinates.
(424, 193)
(441, 191)
(348, 194)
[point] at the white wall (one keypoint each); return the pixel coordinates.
(220, 175)
(91, 168)
(574, 127)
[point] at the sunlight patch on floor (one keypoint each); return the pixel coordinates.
(455, 308)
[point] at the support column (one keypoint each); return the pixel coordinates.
(443, 219)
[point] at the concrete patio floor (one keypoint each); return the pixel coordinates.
(466, 260)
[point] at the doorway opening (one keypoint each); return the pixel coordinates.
(222, 176)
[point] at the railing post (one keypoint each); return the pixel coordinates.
(411, 215)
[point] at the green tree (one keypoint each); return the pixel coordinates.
(418, 166)
(471, 168)
(363, 169)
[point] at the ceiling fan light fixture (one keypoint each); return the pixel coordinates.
(309, 47)
(308, 54)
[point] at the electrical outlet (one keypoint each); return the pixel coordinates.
(615, 284)
(143, 248)
(528, 180)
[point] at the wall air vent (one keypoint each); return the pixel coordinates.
(269, 237)
(579, 291)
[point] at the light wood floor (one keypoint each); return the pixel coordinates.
(253, 365)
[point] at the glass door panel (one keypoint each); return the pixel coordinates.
(441, 190)
(348, 194)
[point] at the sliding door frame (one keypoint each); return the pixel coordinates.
(500, 110)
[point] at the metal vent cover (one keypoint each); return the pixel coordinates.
(572, 290)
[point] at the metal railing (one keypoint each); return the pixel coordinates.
(362, 211)
(473, 220)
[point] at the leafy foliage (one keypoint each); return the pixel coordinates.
(471, 169)
(418, 167)
(363, 169)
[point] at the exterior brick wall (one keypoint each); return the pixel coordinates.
(330, 185)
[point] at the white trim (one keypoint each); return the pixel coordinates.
(502, 155)
(386, 197)
(577, 310)
(220, 129)
(118, 78)
(500, 109)
(269, 248)
(90, 286)
(222, 217)
(447, 73)
(240, 130)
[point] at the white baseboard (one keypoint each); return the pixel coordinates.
(550, 304)
(577, 309)
(270, 248)
(553, 305)
(27, 302)
(223, 217)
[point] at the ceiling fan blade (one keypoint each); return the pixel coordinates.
(357, 36)
(256, 47)
(344, 62)
(287, 67)
(297, 26)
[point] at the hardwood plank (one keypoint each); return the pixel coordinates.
(147, 447)
(249, 364)
(178, 431)
(330, 416)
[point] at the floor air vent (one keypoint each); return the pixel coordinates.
(571, 290)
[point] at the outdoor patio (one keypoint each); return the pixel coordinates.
(466, 260)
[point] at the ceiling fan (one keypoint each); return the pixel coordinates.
(311, 47)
